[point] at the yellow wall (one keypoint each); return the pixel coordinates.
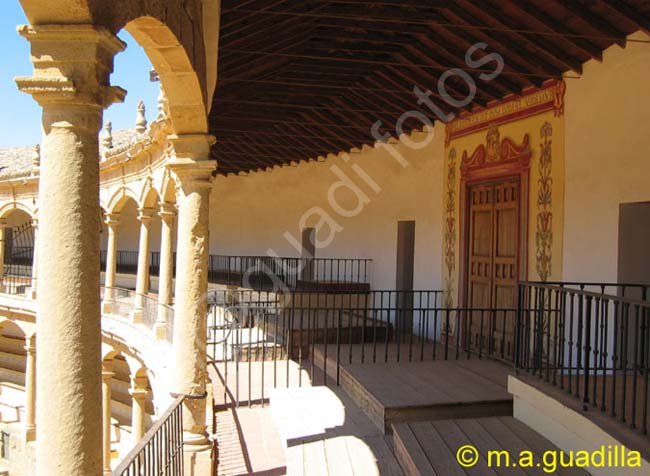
(250, 214)
(607, 124)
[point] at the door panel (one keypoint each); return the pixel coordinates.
(493, 262)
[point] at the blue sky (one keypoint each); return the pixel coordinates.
(20, 114)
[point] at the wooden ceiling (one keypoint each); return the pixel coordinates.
(300, 79)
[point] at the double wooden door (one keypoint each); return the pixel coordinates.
(493, 264)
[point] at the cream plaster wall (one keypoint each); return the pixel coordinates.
(250, 214)
(567, 427)
(607, 152)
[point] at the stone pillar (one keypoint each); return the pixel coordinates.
(112, 221)
(31, 291)
(145, 216)
(166, 275)
(30, 389)
(138, 394)
(72, 65)
(107, 376)
(193, 174)
(3, 224)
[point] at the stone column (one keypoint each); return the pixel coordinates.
(166, 275)
(112, 221)
(30, 389)
(31, 292)
(193, 174)
(72, 65)
(138, 394)
(145, 215)
(107, 376)
(3, 224)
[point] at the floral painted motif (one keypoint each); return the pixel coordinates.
(450, 228)
(544, 235)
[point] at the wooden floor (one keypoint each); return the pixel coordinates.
(325, 433)
(419, 390)
(429, 448)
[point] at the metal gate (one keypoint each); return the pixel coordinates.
(19, 256)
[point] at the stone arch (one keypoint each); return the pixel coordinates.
(149, 196)
(172, 35)
(141, 374)
(168, 188)
(120, 198)
(25, 331)
(109, 353)
(12, 353)
(9, 207)
(180, 79)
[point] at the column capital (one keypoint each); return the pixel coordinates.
(107, 375)
(191, 163)
(145, 215)
(72, 65)
(138, 388)
(30, 345)
(167, 211)
(112, 220)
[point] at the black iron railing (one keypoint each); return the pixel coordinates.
(594, 345)
(160, 451)
(266, 273)
(317, 333)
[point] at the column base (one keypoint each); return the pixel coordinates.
(137, 316)
(160, 330)
(30, 434)
(198, 455)
(108, 307)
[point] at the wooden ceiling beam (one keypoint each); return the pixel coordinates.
(536, 16)
(540, 46)
(585, 15)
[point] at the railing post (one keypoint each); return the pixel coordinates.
(518, 326)
(587, 350)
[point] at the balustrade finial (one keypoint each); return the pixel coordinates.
(106, 137)
(140, 119)
(162, 104)
(36, 157)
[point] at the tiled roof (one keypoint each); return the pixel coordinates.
(17, 161)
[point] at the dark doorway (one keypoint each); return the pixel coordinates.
(633, 257)
(404, 275)
(308, 253)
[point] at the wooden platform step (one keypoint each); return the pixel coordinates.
(432, 390)
(429, 447)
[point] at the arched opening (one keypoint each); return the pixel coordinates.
(18, 242)
(180, 82)
(131, 404)
(13, 361)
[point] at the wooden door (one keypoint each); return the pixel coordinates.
(493, 264)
